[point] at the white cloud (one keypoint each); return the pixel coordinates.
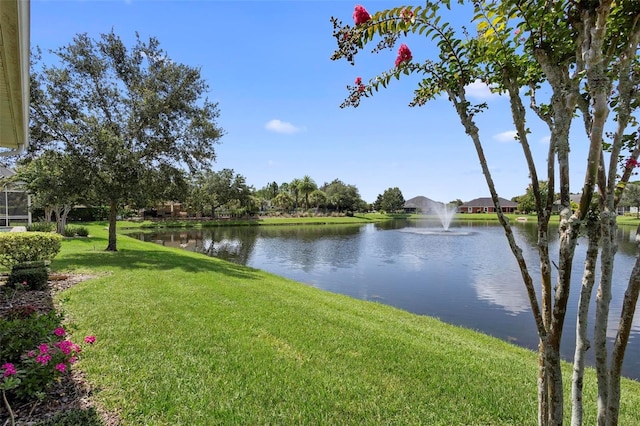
(280, 126)
(546, 140)
(508, 136)
(480, 90)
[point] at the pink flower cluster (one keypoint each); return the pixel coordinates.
(632, 163)
(9, 370)
(404, 55)
(361, 87)
(360, 15)
(406, 15)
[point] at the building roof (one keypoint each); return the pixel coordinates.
(488, 202)
(14, 74)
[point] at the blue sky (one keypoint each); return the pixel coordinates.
(268, 66)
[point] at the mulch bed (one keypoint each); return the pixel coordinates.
(72, 392)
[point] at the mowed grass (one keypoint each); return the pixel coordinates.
(184, 339)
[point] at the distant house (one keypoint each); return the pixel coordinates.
(485, 205)
(421, 204)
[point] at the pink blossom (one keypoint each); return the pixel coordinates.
(406, 15)
(90, 339)
(358, 81)
(66, 346)
(59, 332)
(43, 359)
(632, 163)
(361, 88)
(25, 283)
(360, 15)
(31, 354)
(9, 369)
(44, 348)
(61, 367)
(404, 55)
(516, 32)
(73, 360)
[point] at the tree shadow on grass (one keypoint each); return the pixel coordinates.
(152, 260)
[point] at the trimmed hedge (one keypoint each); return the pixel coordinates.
(32, 278)
(20, 247)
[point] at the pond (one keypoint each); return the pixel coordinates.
(467, 277)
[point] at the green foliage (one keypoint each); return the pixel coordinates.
(41, 226)
(78, 416)
(82, 231)
(342, 197)
(211, 190)
(31, 278)
(19, 247)
(69, 231)
(390, 201)
(75, 231)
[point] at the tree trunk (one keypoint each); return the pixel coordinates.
(624, 330)
(61, 213)
(603, 300)
(113, 215)
(48, 212)
(582, 341)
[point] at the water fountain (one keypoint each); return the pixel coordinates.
(445, 212)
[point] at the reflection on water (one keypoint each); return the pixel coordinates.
(466, 277)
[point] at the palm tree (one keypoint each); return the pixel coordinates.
(294, 188)
(306, 186)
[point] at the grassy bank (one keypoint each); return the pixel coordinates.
(187, 339)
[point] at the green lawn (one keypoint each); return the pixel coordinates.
(184, 339)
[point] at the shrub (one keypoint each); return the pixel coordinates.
(39, 365)
(41, 227)
(33, 278)
(69, 231)
(82, 231)
(17, 336)
(19, 247)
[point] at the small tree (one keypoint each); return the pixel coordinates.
(56, 183)
(391, 200)
(631, 197)
(586, 53)
(132, 119)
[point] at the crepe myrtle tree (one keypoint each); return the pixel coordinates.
(132, 118)
(585, 54)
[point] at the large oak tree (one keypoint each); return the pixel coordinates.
(132, 119)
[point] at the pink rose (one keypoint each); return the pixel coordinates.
(59, 332)
(61, 367)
